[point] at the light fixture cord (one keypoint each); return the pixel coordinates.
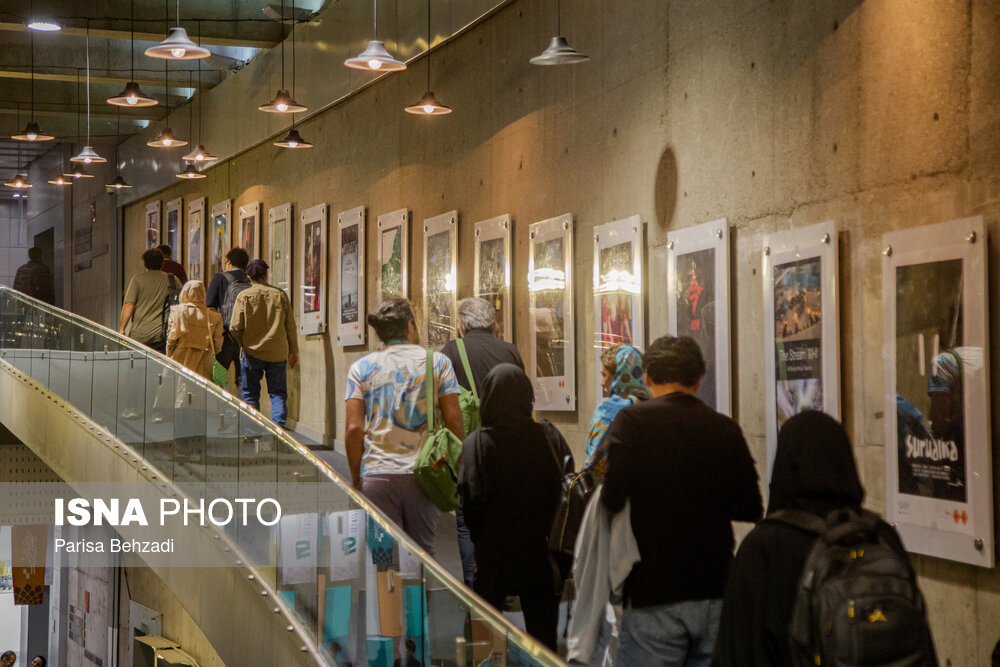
(78, 103)
(32, 74)
(375, 17)
(132, 43)
(166, 62)
(178, 16)
(200, 103)
(558, 20)
(191, 111)
(293, 46)
(428, 44)
(281, 36)
(88, 82)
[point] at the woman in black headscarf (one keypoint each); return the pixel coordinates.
(814, 470)
(509, 484)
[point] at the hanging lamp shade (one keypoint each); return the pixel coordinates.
(375, 59)
(62, 180)
(428, 106)
(199, 154)
(190, 172)
(559, 53)
(77, 172)
(132, 96)
(32, 133)
(166, 139)
(177, 46)
(19, 182)
(118, 184)
(293, 140)
(283, 103)
(88, 156)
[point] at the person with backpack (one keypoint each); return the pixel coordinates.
(816, 542)
(473, 355)
(386, 419)
(510, 485)
(147, 303)
(221, 297)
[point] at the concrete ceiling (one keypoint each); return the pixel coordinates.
(234, 31)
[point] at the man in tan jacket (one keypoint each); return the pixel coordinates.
(264, 327)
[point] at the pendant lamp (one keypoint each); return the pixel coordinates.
(31, 131)
(61, 180)
(293, 139)
(283, 102)
(199, 154)
(119, 182)
(19, 182)
(428, 104)
(132, 95)
(166, 138)
(190, 173)
(88, 155)
(375, 58)
(77, 173)
(177, 45)
(559, 51)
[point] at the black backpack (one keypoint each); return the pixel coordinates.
(857, 602)
(236, 285)
(171, 299)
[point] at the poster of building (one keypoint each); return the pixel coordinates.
(938, 467)
(152, 224)
(802, 360)
(492, 270)
(279, 247)
(218, 238)
(393, 255)
(172, 229)
(618, 303)
(195, 252)
(440, 278)
(351, 271)
(312, 276)
(552, 363)
(248, 229)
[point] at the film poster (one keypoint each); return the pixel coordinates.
(349, 274)
(312, 289)
(696, 301)
(798, 338)
(440, 294)
(549, 286)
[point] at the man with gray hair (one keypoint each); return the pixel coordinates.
(477, 327)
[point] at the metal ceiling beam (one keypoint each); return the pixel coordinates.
(94, 79)
(142, 36)
(149, 114)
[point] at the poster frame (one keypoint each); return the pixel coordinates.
(351, 333)
(446, 222)
(627, 230)
(818, 240)
(247, 212)
(500, 227)
(176, 244)
(153, 223)
(314, 322)
(963, 239)
(395, 219)
(223, 208)
(557, 393)
(712, 235)
(195, 265)
(274, 215)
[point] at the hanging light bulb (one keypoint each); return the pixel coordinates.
(61, 180)
(293, 140)
(77, 173)
(282, 103)
(118, 184)
(375, 58)
(177, 45)
(559, 51)
(428, 106)
(19, 182)
(200, 155)
(88, 155)
(190, 172)
(166, 139)
(132, 96)
(32, 132)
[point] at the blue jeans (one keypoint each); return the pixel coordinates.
(277, 387)
(682, 634)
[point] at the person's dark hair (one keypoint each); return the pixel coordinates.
(35, 254)
(152, 259)
(238, 257)
(390, 319)
(39, 657)
(674, 359)
(257, 270)
(167, 252)
(7, 654)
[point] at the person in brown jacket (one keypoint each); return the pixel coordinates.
(264, 327)
(194, 332)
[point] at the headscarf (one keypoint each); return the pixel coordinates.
(630, 379)
(507, 399)
(628, 386)
(814, 468)
(193, 292)
(192, 313)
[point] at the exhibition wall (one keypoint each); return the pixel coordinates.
(775, 115)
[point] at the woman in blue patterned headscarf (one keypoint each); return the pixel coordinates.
(624, 380)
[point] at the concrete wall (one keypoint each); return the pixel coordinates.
(775, 114)
(14, 242)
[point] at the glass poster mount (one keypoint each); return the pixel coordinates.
(393, 255)
(312, 270)
(492, 270)
(440, 278)
(279, 247)
(351, 277)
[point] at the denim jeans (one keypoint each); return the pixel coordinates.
(277, 388)
(682, 634)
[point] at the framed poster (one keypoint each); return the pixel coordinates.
(492, 270)
(552, 365)
(152, 225)
(351, 270)
(248, 229)
(618, 310)
(393, 255)
(195, 252)
(312, 271)
(279, 246)
(440, 271)
(939, 482)
(698, 302)
(172, 229)
(219, 245)
(801, 346)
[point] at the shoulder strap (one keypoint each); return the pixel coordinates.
(465, 365)
(172, 280)
(229, 276)
(430, 390)
(801, 519)
(552, 448)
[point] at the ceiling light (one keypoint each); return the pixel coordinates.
(293, 140)
(282, 103)
(78, 172)
(428, 106)
(88, 156)
(190, 173)
(62, 180)
(199, 154)
(19, 182)
(375, 59)
(44, 26)
(118, 184)
(177, 46)
(132, 96)
(166, 139)
(559, 53)
(33, 133)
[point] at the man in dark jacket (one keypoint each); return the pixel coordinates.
(35, 279)
(477, 328)
(215, 297)
(688, 473)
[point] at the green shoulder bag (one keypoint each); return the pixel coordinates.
(437, 464)
(468, 400)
